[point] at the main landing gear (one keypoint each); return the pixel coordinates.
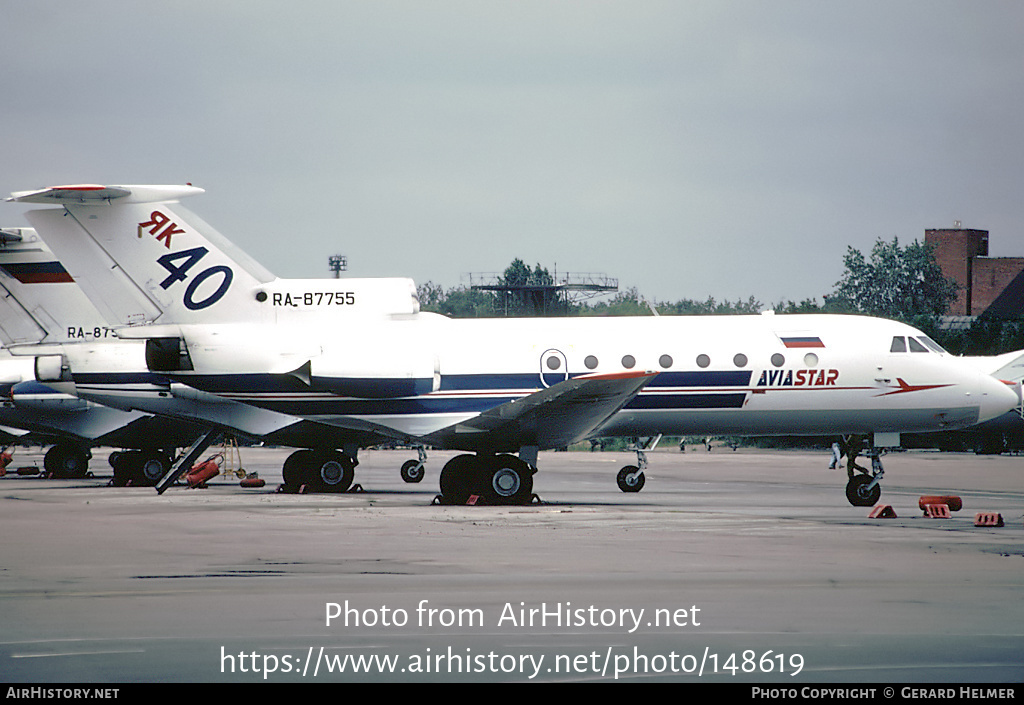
(498, 479)
(324, 470)
(67, 460)
(140, 468)
(862, 488)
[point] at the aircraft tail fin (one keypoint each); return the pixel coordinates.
(39, 300)
(141, 256)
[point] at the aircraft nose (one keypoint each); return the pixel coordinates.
(997, 397)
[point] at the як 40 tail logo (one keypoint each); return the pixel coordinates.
(179, 263)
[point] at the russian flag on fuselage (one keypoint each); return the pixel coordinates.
(802, 341)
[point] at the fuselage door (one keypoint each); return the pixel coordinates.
(554, 368)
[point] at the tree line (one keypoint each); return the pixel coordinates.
(904, 283)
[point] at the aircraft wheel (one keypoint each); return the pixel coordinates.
(412, 471)
(509, 480)
(292, 472)
(859, 495)
(66, 460)
(457, 478)
(121, 463)
(630, 479)
(149, 467)
(333, 470)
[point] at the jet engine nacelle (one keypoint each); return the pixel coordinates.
(51, 368)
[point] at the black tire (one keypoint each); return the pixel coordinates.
(412, 471)
(66, 460)
(293, 471)
(148, 467)
(630, 479)
(859, 495)
(507, 480)
(458, 478)
(121, 464)
(332, 471)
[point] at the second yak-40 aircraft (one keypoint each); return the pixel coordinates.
(358, 358)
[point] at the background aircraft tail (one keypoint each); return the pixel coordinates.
(39, 300)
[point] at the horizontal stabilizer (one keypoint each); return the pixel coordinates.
(93, 194)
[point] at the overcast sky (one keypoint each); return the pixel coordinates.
(689, 149)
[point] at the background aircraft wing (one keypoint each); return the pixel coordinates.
(551, 418)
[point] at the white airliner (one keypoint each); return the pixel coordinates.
(357, 354)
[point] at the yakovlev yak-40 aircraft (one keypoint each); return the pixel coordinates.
(358, 355)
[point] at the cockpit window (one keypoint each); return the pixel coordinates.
(931, 344)
(919, 344)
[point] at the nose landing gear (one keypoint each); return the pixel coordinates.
(631, 478)
(862, 488)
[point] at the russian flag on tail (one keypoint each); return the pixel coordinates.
(37, 272)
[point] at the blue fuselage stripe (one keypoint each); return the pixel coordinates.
(458, 393)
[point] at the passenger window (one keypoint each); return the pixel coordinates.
(916, 346)
(899, 344)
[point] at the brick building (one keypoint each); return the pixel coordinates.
(987, 284)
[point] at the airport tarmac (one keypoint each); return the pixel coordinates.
(741, 567)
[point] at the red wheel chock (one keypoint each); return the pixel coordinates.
(937, 511)
(883, 511)
(988, 519)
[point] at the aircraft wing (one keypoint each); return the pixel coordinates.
(1012, 368)
(551, 418)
